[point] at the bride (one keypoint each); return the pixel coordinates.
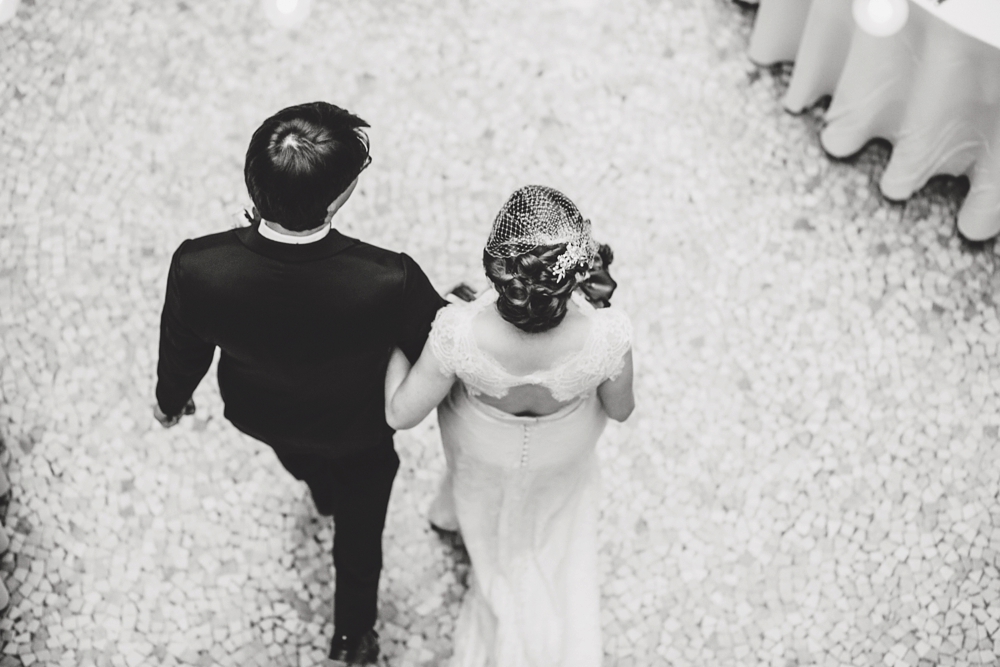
(539, 370)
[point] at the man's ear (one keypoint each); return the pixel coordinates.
(253, 218)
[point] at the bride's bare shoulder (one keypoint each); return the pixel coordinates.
(525, 351)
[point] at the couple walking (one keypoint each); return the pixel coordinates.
(328, 344)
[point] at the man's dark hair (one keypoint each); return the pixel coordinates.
(301, 159)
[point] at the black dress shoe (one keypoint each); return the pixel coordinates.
(356, 650)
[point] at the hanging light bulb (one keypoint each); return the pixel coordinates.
(881, 18)
(7, 9)
(286, 13)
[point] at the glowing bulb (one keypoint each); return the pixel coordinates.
(881, 18)
(880, 11)
(7, 9)
(286, 13)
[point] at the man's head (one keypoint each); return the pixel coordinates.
(301, 159)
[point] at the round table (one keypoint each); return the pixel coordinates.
(932, 89)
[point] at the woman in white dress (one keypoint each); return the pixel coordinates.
(526, 377)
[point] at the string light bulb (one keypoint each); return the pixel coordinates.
(8, 8)
(286, 13)
(881, 18)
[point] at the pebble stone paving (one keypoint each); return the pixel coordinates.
(810, 476)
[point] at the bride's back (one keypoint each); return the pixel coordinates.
(529, 355)
(530, 346)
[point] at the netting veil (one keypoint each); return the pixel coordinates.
(536, 215)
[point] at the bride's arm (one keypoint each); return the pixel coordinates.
(616, 395)
(411, 393)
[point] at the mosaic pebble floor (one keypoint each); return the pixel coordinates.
(810, 477)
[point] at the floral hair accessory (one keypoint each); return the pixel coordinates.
(579, 253)
(537, 215)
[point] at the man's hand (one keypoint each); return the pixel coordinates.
(167, 421)
(461, 292)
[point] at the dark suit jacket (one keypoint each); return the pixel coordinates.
(305, 333)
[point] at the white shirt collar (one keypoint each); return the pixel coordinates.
(269, 233)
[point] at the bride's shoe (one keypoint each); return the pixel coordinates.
(443, 532)
(442, 515)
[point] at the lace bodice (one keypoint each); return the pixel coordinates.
(601, 358)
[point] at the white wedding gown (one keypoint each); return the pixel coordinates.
(524, 493)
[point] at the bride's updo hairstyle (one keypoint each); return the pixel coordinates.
(529, 296)
(538, 247)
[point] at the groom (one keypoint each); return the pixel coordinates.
(305, 319)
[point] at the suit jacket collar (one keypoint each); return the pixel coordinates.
(328, 246)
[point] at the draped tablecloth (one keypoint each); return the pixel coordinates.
(932, 89)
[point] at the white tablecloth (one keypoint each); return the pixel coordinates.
(932, 89)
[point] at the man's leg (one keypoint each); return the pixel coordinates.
(355, 490)
(315, 472)
(360, 499)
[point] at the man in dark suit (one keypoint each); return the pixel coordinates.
(305, 319)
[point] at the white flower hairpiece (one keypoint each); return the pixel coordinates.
(579, 251)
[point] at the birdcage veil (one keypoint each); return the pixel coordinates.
(536, 215)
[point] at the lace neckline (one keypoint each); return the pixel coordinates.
(540, 376)
(600, 358)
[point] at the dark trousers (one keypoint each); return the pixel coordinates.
(355, 490)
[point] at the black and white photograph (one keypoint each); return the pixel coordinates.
(499, 333)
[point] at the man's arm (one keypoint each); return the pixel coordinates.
(184, 356)
(418, 305)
